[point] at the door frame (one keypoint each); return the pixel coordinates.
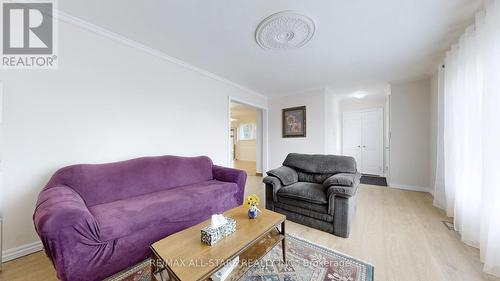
(383, 143)
(264, 136)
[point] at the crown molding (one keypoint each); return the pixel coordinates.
(67, 18)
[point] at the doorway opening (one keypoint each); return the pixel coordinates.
(246, 138)
(365, 133)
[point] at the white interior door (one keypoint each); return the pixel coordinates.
(351, 135)
(362, 138)
(372, 142)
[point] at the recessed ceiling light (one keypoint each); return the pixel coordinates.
(285, 30)
(359, 94)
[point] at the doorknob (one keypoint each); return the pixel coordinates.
(359, 145)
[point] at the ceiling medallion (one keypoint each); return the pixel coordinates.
(284, 31)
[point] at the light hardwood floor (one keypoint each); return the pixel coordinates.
(397, 231)
(248, 166)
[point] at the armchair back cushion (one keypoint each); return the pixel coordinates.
(321, 164)
(314, 178)
(104, 183)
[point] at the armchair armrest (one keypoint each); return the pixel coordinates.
(273, 184)
(286, 175)
(277, 178)
(231, 175)
(341, 188)
(343, 184)
(343, 179)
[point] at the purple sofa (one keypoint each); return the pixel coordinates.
(95, 220)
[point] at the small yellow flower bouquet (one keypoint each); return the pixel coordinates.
(252, 202)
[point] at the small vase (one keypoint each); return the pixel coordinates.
(253, 212)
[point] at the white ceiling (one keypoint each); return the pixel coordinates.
(356, 42)
(241, 112)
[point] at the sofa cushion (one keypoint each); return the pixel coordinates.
(321, 164)
(285, 174)
(103, 183)
(304, 191)
(342, 179)
(180, 205)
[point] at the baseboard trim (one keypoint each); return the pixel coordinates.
(258, 174)
(21, 251)
(409, 187)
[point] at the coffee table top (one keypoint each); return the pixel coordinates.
(190, 259)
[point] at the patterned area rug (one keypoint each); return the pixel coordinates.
(306, 262)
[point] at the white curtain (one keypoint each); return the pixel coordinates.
(468, 168)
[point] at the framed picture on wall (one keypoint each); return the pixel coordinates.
(294, 122)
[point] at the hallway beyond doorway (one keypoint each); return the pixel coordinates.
(246, 137)
(247, 166)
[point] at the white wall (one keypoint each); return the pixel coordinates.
(436, 165)
(259, 144)
(410, 135)
(315, 140)
(246, 150)
(433, 126)
(333, 117)
(106, 102)
(368, 102)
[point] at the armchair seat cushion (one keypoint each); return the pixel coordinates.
(168, 207)
(304, 191)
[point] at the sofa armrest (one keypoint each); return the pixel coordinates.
(60, 207)
(65, 226)
(231, 175)
(285, 174)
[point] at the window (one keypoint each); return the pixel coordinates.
(247, 131)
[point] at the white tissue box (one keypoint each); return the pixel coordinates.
(211, 235)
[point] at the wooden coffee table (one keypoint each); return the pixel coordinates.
(182, 256)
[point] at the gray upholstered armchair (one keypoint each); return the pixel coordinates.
(315, 190)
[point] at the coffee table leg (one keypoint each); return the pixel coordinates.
(283, 242)
(159, 271)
